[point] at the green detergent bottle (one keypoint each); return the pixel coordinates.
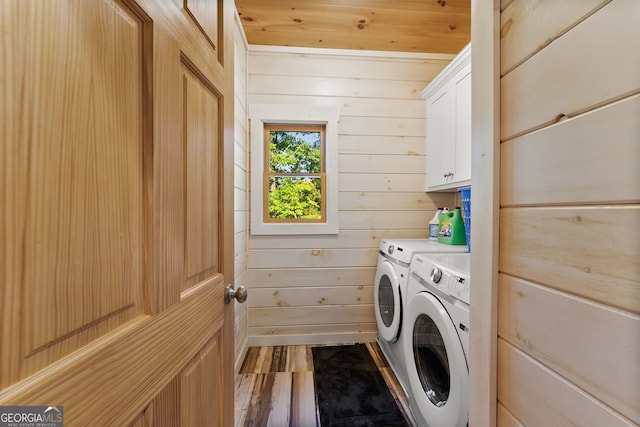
(452, 228)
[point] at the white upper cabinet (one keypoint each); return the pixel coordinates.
(448, 151)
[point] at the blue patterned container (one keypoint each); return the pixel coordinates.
(465, 194)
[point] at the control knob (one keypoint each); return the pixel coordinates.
(436, 275)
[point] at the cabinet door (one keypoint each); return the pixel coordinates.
(448, 154)
(440, 137)
(462, 167)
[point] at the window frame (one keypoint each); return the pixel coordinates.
(263, 115)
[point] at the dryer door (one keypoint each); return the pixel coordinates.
(388, 303)
(436, 364)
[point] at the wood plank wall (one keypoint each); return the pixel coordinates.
(569, 282)
(241, 186)
(319, 289)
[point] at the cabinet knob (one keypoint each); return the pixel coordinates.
(447, 175)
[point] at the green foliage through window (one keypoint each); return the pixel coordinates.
(295, 172)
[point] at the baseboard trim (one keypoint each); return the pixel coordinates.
(332, 339)
(241, 353)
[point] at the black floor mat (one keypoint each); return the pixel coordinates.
(351, 390)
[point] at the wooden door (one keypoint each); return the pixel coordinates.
(116, 210)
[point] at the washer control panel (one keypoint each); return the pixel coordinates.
(455, 285)
(449, 273)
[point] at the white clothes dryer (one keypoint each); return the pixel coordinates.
(390, 290)
(436, 339)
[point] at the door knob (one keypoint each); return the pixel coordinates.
(240, 294)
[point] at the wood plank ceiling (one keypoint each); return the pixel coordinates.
(431, 26)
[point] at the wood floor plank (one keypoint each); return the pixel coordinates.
(260, 402)
(249, 362)
(263, 363)
(303, 400)
(299, 358)
(376, 354)
(244, 390)
(280, 402)
(278, 359)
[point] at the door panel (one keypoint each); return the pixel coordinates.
(201, 143)
(205, 15)
(75, 251)
(201, 384)
(165, 406)
(116, 210)
(145, 419)
(123, 371)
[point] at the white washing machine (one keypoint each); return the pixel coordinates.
(436, 339)
(390, 290)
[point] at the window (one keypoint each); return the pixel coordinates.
(294, 171)
(294, 178)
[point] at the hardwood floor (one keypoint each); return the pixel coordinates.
(275, 387)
